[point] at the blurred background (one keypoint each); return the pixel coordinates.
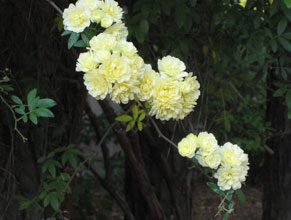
(241, 56)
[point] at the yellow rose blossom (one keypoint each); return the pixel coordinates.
(86, 62)
(207, 143)
(89, 4)
(230, 177)
(118, 30)
(187, 146)
(165, 102)
(101, 56)
(232, 155)
(171, 67)
(208, 153)
(147, 83)
(106, 21)
(76, 18)
(124, 92)
(96, 15)
(190, 92)
(136, 65)
(110, 12)
(97, 85)
(116, 69)
(211, 160)
(126, 48)
(102, 41)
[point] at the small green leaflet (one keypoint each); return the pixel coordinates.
(73, 39)
(288, 3)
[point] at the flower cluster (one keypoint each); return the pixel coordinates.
(79, 16)
(229, 160)
(175, 92)
(114, 69)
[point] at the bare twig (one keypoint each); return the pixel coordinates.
(15, 119)
(55, 6)
(114, 193)
(161, 134)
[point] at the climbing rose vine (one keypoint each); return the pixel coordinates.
(229, 161)
(112, 68)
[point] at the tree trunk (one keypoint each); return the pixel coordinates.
(277, 168)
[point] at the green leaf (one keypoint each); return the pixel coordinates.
(52, 170)
(89, 33)
(54, 201)
(33, 118)
(46, 103)
(226, 216)
(287, 35)
(16, 99)
(134, 110)
(124, 118)
(282, 25)
(46, 201)
(73, 39)
(139, 126)
(65, 176)
(280, 92)
(215, 188)
(24, 205)
(285, 9)
(20, 110)
(144, 26)
(288, 3)
(43, 112)
(85, 39)
(228, 196)
(31, 96)
(141, 116)
(241, 196)
(66, 32)
(129, 126)
(69, 156)
(24, 118)
(73, 161)
(59, 22)
(80, 43)
(230, 207)
(285, 44)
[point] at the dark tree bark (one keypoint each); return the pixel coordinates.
(277, 168)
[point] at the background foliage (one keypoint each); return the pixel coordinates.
(232, 49)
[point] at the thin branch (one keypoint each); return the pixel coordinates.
(236, 91)
(89, 158)
(115, 194)
(171, 181)
(15, 119)
(55, 6)
(161, 135)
